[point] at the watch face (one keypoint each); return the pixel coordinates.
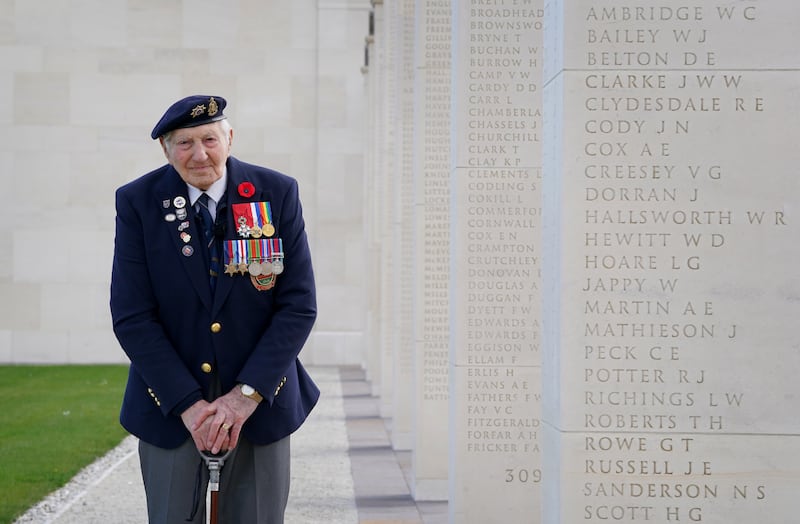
(247, 390)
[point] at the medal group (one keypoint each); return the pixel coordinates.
(254, 253)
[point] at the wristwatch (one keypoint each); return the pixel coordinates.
(250, 392)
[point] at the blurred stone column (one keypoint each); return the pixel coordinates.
(402, 20)
(371, 211)
(381, 230)
(432, 68)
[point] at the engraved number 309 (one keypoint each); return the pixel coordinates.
(523, 475)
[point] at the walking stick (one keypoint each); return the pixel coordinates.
(214, 462)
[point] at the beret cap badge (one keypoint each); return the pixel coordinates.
(198, 110)
(191, 111)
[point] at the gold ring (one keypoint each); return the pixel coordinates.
(226, 426)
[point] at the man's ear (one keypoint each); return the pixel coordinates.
(163, 146)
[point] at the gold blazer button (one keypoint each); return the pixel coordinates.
(206, 367)
(216, 327)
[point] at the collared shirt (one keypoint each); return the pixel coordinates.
(215, 193)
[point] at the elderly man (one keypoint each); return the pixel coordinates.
(212, 298)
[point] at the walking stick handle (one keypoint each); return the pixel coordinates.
(214, 463)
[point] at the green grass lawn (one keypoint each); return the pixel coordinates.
(54, 420)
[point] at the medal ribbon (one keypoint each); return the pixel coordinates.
(229, 250)
(243, 210)
(267, 212)
(261, 213)
(235, 251)
(259, 249)
(246, 251)
(276, 247)
(267, 249)
(262, 249)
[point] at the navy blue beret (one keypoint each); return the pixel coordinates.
(191, 111)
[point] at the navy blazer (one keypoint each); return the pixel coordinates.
(163, 310)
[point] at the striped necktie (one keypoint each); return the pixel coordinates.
(211, 243)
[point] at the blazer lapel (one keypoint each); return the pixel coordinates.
(190, 253)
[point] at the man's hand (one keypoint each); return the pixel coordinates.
(199, 420)
(232, 410)
(216, 426)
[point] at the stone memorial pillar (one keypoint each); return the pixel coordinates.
(403, 225)
(671, 208)
(374, 189)
(387, 86)
(495, 254)
(372, 365)
(432, 250)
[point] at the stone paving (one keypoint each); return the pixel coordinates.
(343, 471)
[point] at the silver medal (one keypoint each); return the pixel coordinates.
(243, 231)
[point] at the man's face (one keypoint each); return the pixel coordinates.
(199, 153)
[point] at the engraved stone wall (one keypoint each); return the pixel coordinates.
(670, 199)
(385, 40)
(495, 248)
(432, 248)
(403, 225)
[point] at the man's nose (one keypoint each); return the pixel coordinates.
(199, 151)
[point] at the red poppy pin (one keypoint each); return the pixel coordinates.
(246, 189)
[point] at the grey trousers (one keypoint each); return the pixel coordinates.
(254, 483)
